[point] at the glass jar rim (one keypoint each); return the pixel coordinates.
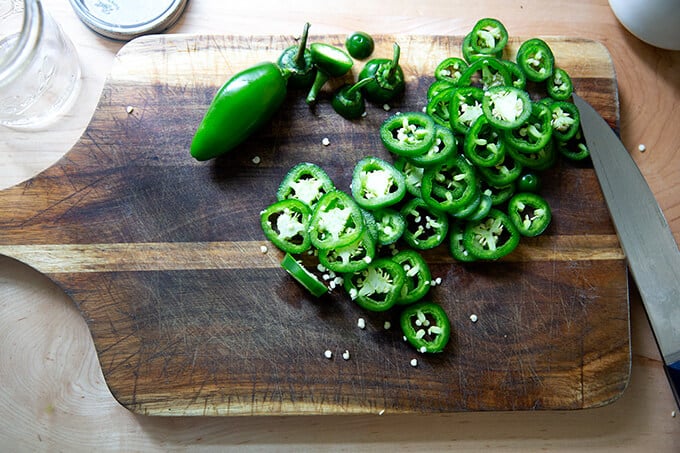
(24, 48)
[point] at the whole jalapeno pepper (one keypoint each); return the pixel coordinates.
(330, 61)
(241, 106)
(426, 327)
(298, 60)
(388, 78)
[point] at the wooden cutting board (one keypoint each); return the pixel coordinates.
(162, 255)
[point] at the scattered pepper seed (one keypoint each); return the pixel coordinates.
(361, 323)
(386, 107)
(387, 325)
(257, 160)
(642, 148)
(130, 109)
(382, 411)
(263, 249)
(414, 362)
(328, 354)
(345, 354)
(473, 317)
(325, 141)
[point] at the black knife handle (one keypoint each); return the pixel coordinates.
(673, 373)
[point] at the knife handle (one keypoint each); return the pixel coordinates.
(673, 373)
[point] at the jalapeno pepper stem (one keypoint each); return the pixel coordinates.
(394, 64)
(319, 81)
(357, 86)
(300, 55)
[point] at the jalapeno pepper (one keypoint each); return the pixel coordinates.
(388, 78)
(298, 61)
(286, 223)
(378, 286)
(533, 133)
(418, 276)
(438, 107)
(565, 120)
(559, 85)
(465, 107)
(352, 257)
(426, 227)
(336, 221)
(241, 106)
(438, 86)
(506, 107)
(486, 72)
(306, 182)
(504, 173)
(574, 149)
(413, 175)
(408, 134)
(492, 237)
(360, 45)
(481, 210)
(444, 147)
(517, 78)
(348, 101)
(469, 53)
(498, 194)
(488, 37)
(530, 213)
(376, 183)
(450, 70)
(529, 182)
(308, 280)
(456, 245)
(426, 327)
(451, 186)
(483, 145)
(391, 225)
(330, 61)
(539, 160)
(536, 59)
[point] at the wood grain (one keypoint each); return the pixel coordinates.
(199, 322)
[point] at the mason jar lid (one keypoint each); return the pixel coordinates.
(127, 19)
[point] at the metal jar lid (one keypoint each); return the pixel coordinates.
(127, 19)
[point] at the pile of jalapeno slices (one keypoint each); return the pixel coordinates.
(352, 237)
(472, 158)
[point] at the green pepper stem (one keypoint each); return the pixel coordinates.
(300, 54)
(395, 61)
(319, 81)
(357, 86)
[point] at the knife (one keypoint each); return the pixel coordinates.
(651, 251)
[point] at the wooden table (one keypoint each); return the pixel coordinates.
(54, 396)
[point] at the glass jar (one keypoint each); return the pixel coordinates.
(39, 67)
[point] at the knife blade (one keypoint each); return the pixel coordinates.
(650, 248)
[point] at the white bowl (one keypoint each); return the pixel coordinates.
(656, 22)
